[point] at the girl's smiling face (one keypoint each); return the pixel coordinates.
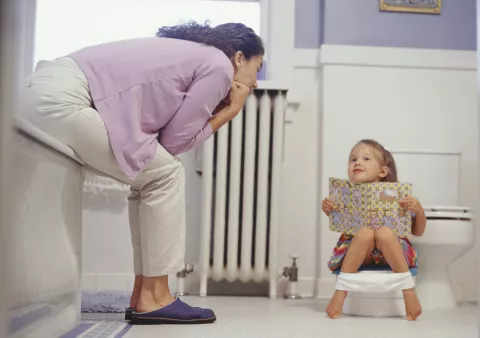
(364, 167)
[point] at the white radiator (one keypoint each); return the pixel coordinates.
(241, 174)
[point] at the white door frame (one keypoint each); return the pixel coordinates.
(12, 33)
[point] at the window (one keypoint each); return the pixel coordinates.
(63, 26)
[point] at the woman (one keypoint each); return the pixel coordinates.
(127, 109)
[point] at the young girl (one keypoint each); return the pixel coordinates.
(370, 162)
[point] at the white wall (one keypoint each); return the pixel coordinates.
(406, 99)
(107, 250)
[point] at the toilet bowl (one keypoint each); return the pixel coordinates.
(448, 236)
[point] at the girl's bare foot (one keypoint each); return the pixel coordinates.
(334, 308)
(412, 304)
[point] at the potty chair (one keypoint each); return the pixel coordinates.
(375, 291)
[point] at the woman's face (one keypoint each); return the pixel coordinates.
(246, 70)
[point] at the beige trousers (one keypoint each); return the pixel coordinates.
(56, 99)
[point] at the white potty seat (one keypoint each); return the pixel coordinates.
(375, 292)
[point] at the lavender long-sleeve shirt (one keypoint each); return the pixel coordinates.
(143, 88)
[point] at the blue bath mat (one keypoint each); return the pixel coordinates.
(105, 301)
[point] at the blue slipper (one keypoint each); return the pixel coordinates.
(177, 312)
(128, 313)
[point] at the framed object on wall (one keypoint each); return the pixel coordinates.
(412, 6)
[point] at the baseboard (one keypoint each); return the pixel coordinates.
(102, 283)
(324, 287)
(398, 57)
(111, 292)
(321, 288)
(305, 287)
(465, 292)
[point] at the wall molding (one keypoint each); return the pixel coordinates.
(398, 57)
(303, 59)
(446, 152)
(369, 56)
(306, 58)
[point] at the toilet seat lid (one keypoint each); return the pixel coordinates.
(448, 212)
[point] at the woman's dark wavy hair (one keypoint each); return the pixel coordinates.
(228, 37)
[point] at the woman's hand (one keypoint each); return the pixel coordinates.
(235, 99)
(224, 112)
(238, 95)
(411, 204)
(327, 205)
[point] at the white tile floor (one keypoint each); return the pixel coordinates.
(260, 317)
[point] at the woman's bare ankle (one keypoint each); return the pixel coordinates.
(134, 300)
(154, 294)
(148, 303)
(137, 287)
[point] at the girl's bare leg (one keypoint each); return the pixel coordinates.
(359, 252)
(392, 250)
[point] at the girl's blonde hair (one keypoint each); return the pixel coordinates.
(385, 158)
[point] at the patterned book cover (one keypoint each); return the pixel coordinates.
(369, 204)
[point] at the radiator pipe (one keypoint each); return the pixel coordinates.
(181, 279)
(291, 272)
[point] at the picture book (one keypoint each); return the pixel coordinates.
(369, 204)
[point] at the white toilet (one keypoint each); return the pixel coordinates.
(448, 236)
